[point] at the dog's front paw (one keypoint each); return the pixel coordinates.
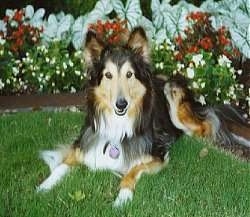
(125, 195)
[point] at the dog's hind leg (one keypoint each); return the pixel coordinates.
(59, 163)
(128, 182)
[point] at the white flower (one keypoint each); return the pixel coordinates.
(1, 52)
(202, 100)
(53, 60)
(241, 86)
(161, 65)
(71, 64)
(77, 72)
(197, 59)
(72, 90)
(203, 84)
(15, 70)
(2, 41)
(33, 74)
(8, 81)
(195, 85)
(63, 74)
(224, 61)
(180, 66)
(1, 84)
(190, 73)
(47, 60)
(53, 84)
(239, 72)
(226, 102)
(65, 65)
(57, 72)
(47, 77)
(13, 23)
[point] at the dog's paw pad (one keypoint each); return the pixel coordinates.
(125, 195)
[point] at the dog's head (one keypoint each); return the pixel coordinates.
(176, 90)
(119, 77)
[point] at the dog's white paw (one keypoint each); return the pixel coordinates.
(125, 195)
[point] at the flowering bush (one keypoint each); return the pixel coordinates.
(200, 35)
(43, 69)
(111, 31)
(213, 81)
(19, 34)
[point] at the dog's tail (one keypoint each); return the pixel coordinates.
(59, 162)
(234, 124)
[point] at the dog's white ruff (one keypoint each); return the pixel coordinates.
(125, 195)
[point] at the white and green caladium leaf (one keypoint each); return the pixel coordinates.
(64, 27)
(175, 21)
(79, 30)
(10, 13)
(100, 11)
(58, 29)
(50, 28)
(29, 11)
(34, 18)
(158, 12)
(131, 12)
(241, 40)
(157, 35)
(3, 27)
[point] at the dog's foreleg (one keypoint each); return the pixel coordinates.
(59, 163)
(56, 175)
(128, 182)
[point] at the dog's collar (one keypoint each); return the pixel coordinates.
(114, 151)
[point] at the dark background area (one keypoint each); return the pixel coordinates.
(74, 7)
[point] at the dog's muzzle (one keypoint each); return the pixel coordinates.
(121, 106)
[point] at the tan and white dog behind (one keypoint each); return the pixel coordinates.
(127, 128)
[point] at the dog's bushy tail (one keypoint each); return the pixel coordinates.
(59, 162)
(233, 125)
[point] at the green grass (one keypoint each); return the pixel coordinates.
(215, 185)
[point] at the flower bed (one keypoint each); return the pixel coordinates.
(206, 44)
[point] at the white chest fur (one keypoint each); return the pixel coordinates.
(98, 157)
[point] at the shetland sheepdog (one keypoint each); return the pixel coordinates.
(127, 128)
(223, 124)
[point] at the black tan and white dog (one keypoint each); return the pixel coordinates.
(223, 124)
(127, 128)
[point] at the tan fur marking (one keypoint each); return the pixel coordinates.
(199, 127)
(74, 157)
(129, 180)
(239, 130)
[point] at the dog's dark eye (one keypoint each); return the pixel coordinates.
(174, 92)
(129, 74)
(108, 75)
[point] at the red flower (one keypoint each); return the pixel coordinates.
(178, 40)
(223, 40)
(206, 43)
(193, 49)
(179, 56)
(18, 16)
(198, 16)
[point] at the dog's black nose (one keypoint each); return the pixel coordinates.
(121, 103)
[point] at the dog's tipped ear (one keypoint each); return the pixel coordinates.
(92, 48)
(139, 43)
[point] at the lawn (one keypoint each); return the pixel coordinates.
(214, 185)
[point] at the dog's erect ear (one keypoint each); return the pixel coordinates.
(93, 48)
(139, 43)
